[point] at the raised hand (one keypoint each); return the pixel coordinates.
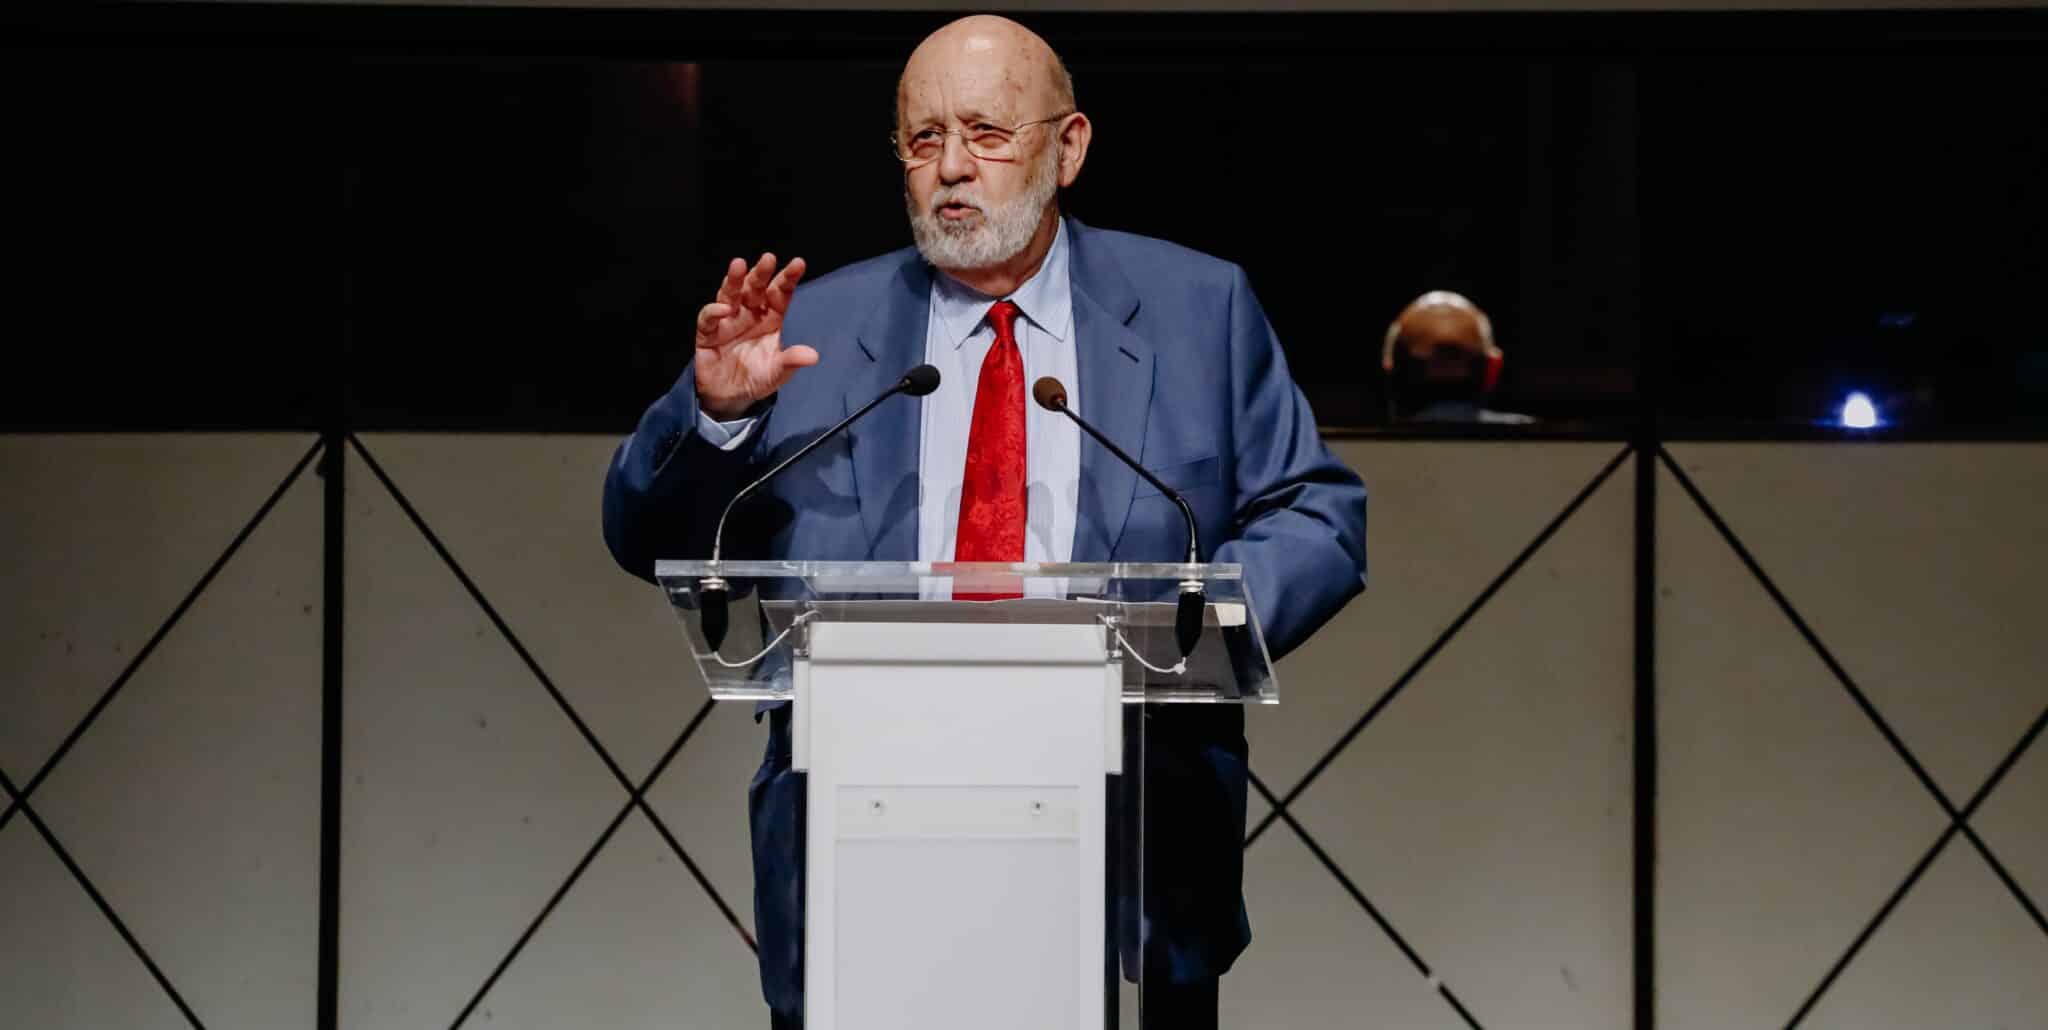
(740, 358)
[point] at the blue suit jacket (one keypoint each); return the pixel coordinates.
(1177, 365)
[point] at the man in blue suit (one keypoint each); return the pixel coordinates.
(1165, 349)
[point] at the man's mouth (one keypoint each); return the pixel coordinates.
(957, 210)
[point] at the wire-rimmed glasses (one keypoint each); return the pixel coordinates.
(984, 142)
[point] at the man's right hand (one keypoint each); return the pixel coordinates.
(740, 358)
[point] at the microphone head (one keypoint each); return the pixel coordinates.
(1049, 394)
(920, 380)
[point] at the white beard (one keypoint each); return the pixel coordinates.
(998, 234)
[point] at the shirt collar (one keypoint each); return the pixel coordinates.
(1046, 299)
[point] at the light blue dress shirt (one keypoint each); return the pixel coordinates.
(957, 338)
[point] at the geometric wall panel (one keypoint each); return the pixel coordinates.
(703, 799)
(61, 963)
(1916, 564)
(1486, 811)
(1957, 952)
(635, 944)
(101, 536)
(1784, 819)
(1443, 520)
(2014, 822)
(520, 514)
(467, 797)
(1316, 960)
(193, 803)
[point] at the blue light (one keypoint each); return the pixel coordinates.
(1859, 413)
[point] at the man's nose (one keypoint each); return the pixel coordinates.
(955, 163)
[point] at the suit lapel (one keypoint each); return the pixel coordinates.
(1116, 368)
(884, 445)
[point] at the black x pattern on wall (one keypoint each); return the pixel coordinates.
(636, 792)
(1959, 818)
(19, 795)
(1281, 805)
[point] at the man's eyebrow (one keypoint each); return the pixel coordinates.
(975, 115)
(970, 116)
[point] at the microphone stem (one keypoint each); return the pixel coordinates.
(718, 537)
(1194, 541)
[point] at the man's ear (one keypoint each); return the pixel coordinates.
(1075, 133)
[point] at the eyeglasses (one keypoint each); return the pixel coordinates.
(983, 141)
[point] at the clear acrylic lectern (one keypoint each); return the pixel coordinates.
(964, 760)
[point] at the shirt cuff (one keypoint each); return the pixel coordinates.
(725, 436)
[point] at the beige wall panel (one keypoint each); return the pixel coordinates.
(194, 802)
(1957, 952)
(635, 946)
(703, 800)
(61, 963)
(1443, 520)
(467, 796)
(1487, 811)
(1784, 820)
(522, 516)
(1127, 998)
(1918, 565)
(2014, 822)
(1317, 960)
(145, 512)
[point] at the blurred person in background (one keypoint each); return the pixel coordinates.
(1442, 363)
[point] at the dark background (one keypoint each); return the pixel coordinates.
(503, 219)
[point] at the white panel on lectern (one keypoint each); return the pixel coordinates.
(1021, 905)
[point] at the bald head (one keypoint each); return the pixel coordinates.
(986, 60)
(988, 134)
(1442, 326)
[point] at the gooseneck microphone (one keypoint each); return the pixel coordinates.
(712, 590)
(1051, 395)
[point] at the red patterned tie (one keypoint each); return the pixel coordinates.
(992, 494)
